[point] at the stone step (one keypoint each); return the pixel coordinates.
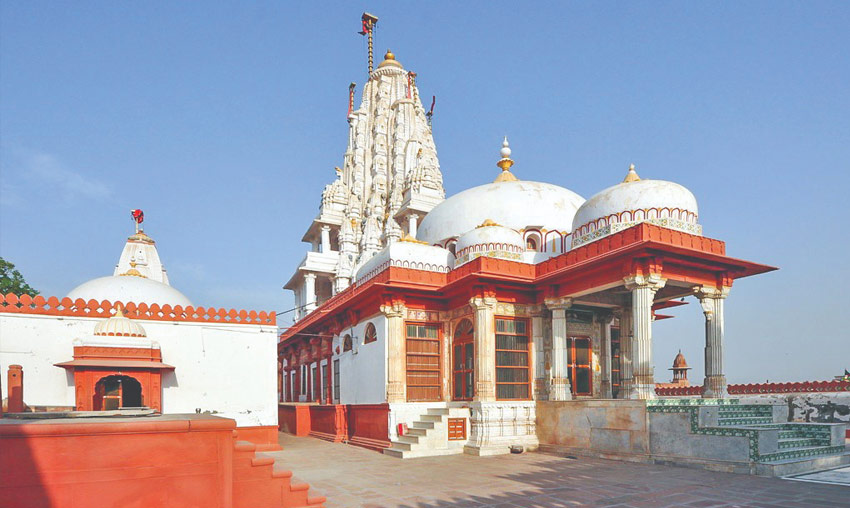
(421, 425)
(409, 439)
(802, 442)
(438, 411)
(432, 418)
(744, 421)
(412, 454)
(398, 445)
(413, 431)
(801, 453)
(787, 467)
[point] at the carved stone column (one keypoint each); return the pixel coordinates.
(326, 239)
(643, 290)
(559, 387)
(309, 292)
(711, 300)
(485, 348)
(605, 333)
(412, 221)
(626, 372)
(396, 352)
(539, 355)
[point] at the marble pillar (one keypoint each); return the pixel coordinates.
(412, 223)
(605, 320)
(485, 348)
(711, 299)
(396, 352)
(626, 371)
(559, 384)
(643, 289)
(309, 292)
(326, 239)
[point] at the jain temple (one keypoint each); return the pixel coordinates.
(513, 316)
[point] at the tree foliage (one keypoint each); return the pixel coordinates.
(11, 281)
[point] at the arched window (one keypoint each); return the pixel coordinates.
(371, 334)
(346, 343)
(531, 243)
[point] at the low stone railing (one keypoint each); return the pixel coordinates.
(760, 388)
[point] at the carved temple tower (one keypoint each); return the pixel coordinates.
(390, 178)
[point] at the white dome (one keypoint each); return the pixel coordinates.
(119, 325)
(660, 202)
(129, 289)
(515, 204)
(489, 240)
(406, 253)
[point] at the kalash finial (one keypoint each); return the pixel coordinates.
(389, 61)
(505, 163)
(632, 175)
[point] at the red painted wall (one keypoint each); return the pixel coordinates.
(329, 422)
(294, 418)
(178, 460)
(368, 425)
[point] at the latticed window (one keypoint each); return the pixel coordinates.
(371, 334)
(512, 365)
(463, 361)
(423, 362)
(336, 381)
(346, 343)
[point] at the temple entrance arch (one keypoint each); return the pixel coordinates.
(117, 391)
(463, 361)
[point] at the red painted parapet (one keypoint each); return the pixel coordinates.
(15, 387)
(294, 418)
(53, 306)
(329, 422)
(678, 391)
(801, 387)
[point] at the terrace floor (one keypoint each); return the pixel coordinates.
(352, 476)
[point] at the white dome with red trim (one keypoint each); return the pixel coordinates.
(666, 204)
(489, 240)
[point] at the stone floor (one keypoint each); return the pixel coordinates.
(839, 476)
(352, 476)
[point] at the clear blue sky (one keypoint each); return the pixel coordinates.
(223, 121)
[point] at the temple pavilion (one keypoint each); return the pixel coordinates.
(468, 311)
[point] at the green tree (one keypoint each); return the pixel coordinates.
(11, 281)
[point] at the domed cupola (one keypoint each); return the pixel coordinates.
(139, 277)
(515, 204)
(631, 202)
(489, 240)
(119, 325)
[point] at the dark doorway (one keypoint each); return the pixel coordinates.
(115, 392)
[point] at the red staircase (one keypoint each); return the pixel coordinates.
(258, 484)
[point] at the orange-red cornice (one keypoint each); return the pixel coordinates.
(641, 249)
(53, 306)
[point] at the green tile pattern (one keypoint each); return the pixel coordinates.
(751, 420)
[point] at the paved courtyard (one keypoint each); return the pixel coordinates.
(352, 476)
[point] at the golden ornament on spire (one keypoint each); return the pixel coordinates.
(390, 61)
(505, 164)
(632, 175)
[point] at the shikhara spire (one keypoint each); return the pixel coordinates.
(389, 179)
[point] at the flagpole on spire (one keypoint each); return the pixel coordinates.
(369, 23)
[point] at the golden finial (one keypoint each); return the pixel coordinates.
(389, 60)
(119, 310)
(505, 163)
(632, 175)
(487, 223)
(409, 238)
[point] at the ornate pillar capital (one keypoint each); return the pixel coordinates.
(606, 317)
(393, 309)
(709, 296)
(482, 302)
(558, 303)
(653, 281)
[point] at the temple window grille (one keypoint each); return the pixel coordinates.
(512, 365)
(423, 362)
